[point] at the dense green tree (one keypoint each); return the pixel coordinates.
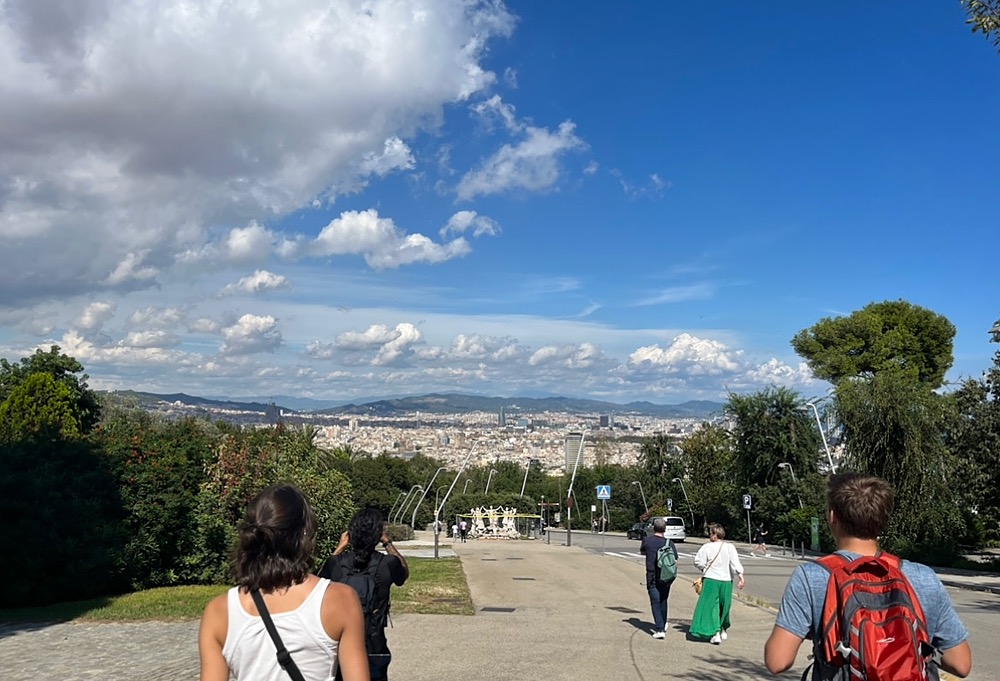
(711, 488)
(39, 408)
(246, 461)
(973, 437)
(771, 428)
(63, 369)
(893, 429)
(62, 528)
(378, 481)
(888, 336)
(984, 17)
(160, 467)
(660, 461)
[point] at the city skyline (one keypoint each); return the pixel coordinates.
(345, 200)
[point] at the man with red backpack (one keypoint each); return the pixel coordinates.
(869, 614)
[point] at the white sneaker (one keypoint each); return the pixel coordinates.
(717, 639)
(659, 634)
(723, 635)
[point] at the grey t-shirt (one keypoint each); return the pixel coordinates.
(802, 603)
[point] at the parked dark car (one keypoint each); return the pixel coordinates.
(637, 531)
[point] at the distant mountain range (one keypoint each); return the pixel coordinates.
(437, 403)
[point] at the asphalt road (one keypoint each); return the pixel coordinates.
(766, 579)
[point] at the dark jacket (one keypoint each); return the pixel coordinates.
(650, 546)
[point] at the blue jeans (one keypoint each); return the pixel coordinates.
(659, 592)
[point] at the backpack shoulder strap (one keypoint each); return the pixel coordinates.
(284, 657)
(832, 561)
(890, 559)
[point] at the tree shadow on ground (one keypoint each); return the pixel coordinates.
(16, 620)
(718, 668)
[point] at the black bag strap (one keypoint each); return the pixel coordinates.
(284, 657)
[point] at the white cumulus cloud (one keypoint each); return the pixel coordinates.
(687, 354)
(531, 164)
(259, 281)
(95, 315)
(464, 220)
(251, 334)
(380, 242)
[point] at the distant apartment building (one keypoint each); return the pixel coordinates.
(572, 446)
(502, 420)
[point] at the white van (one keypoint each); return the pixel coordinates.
(675, 527)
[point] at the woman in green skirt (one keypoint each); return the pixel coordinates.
(718, 561)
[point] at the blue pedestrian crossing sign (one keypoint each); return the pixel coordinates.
(604, 492)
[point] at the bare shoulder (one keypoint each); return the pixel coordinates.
(215, 619)
(218, 607)
(339, 593)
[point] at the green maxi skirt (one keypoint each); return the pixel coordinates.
(711, 614)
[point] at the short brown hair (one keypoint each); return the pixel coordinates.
(861, 503)
(277, 540)
(718, 530)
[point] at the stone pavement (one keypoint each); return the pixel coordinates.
(542, 612)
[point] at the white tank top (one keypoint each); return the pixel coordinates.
(250, 652)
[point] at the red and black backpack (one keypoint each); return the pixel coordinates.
(873, 627)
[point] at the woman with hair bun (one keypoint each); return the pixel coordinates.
(319, 622)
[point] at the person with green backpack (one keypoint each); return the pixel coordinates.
(661, 570)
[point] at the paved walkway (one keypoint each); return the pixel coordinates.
(542, 612)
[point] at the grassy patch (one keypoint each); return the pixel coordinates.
(435, 587)
(167, 603)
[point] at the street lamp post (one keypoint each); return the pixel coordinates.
(436, 521)
(524, 483)
(645, 506)
(392, 519)
(406, 502)
(826, 447)
(427, 488)
(437, 510)
(785, 464)
(569, 493)
(686, 500)
(393, 509)
(488, 479)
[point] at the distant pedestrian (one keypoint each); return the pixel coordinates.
(759, 541)
(718, 561)
(659, 591)
(463, 529)
(454, 530)
(593, 525)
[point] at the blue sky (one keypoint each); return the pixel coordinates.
(627, 201)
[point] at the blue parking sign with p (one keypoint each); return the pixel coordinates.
(604, 492)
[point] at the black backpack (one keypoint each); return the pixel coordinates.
(363, 582)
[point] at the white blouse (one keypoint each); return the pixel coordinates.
(724, 566)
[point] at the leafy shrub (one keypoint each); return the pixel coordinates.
(159, 465)
(62, 528)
